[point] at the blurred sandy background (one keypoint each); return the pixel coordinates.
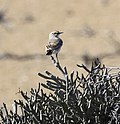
(91, 29)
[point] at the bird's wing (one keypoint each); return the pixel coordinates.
(55, 45)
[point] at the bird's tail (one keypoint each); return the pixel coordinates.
(49, 52)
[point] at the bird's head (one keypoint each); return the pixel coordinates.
(55, 34)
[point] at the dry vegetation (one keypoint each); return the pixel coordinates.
(73, 99)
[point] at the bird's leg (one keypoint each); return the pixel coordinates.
(57, 58)
(52, 57)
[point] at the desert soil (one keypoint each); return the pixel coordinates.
(91, 27)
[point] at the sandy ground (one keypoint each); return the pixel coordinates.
(91, 27)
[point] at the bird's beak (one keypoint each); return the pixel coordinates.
(60, 32)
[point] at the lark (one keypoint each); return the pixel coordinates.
(54, 44)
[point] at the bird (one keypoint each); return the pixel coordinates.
(54, 44)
